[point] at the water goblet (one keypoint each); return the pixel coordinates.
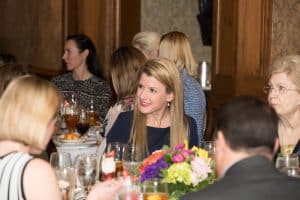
(154, 189)
(132, 159)
(86, 170)
(60, 160)
(66, 181)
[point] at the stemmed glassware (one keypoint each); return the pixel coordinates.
(86, 170)
(82, 124)
(154, 189)
(132, 159)
(62, 165)
(70, 111)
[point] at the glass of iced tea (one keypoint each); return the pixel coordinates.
(154, 189)
(93, 115)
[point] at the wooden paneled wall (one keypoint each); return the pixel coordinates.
(35, 30)
(241, 51)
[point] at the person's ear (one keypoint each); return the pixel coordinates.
(170, 97)
(85, 53)
(220, 140)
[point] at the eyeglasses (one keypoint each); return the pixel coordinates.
(279, 89)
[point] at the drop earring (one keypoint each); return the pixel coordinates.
(169, 104)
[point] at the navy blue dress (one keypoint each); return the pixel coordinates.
(157, 137)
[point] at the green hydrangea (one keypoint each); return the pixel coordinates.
(178, 172)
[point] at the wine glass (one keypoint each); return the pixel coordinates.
(284, 162)
(82, 124)
(66, 181)
(86, 170)
(60, 160)
(70, 110)
(93, 115)
(154, 189)
(132, 159)
(116, 149)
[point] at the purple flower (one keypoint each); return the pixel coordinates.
(153, 170)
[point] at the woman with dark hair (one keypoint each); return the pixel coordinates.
(83, 79)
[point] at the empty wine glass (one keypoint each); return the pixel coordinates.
(60, 160)
(82, 124)
(86, 170)
(132, 159)
(66, 181)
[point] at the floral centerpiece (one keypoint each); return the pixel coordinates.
(184, 170)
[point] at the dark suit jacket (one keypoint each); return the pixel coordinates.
(253, 178)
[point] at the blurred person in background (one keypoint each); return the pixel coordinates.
(283, 92)
(84, 78)
(176, 47)
(147, 42)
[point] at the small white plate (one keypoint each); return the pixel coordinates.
(63, 140)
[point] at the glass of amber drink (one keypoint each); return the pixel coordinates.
(154, 189)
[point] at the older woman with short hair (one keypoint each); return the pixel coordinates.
(283, 92)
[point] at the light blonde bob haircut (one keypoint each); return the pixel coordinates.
(176, 47)
(290, 65)
(147, 42)
(165, 72)
(27, 106)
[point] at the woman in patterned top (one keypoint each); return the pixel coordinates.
(84, 76)
(176, 47)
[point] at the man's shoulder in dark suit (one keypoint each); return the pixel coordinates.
(249, 179)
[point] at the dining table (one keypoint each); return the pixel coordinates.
(87, 144)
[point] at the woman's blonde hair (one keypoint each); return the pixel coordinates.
(146, 40)
(176, 47)
(125, 64)
(165, 72)
(27, 106)
(288, 64)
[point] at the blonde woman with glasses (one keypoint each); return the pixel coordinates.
(283, 92)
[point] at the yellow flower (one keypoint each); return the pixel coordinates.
(178, 172)
(200, 152)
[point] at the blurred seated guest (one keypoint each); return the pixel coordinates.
(9, 72)
(284, 96)
(84, 77)
(176, 47)
(157, 118)
(147, 42)
(27, 120)
(246, 139)
(125, 64)
(6, 58)
(26, 126)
